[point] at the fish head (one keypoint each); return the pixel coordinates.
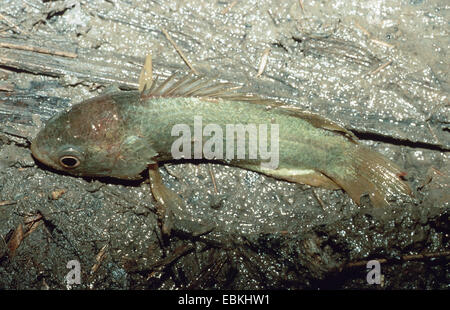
(88, 140)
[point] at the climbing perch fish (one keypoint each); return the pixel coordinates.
(120, 134)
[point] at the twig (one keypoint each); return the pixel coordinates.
(274, 20)
(381, 67)
(213, 178)
(263, 62)
(176, 254)
(13, 25)
(6, 86)
(208, 272)
(30, 219)
(382, 43)
(5, 29)
(438, 172)
(319, 200)
(432, 133)
(225, 10)
(38, 50)
(87, 69)
(403, 258)
(15, 240)
(367, 33)
(178, 50)
(99, 258)
(7, 203)
(301, 5)
(32, 227)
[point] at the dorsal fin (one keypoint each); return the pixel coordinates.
(319, 121)
(190, 86)
(146, 76)
(201, 87)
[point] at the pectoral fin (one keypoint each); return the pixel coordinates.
(166, 199)
(169, 205)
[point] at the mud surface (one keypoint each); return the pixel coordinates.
(379, 68)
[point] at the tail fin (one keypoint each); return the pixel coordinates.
(371, 174)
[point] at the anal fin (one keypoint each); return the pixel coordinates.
(301, 176)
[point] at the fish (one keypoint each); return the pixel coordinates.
(119, 134)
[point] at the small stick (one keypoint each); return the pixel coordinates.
(4, 73)
(31, 228)
(33, 218)
(213, 178)
(15, 240)
(176, 254)
(367, 33)
(432, 133)
(6, 29)
(6, 86)
(13, 25)
(301, 5)
(275, 22)
(437, 171)
(382, 43)
(381, 67)
(99, 258)
(7, 203)
(225, 10)
(263, 62)
(178, 50)
(38, 50)
(319, 200)
(4, 60)
(425, 255)
(403, 258)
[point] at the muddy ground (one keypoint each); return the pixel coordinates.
(379, 68)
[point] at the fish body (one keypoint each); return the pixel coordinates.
(119, 134)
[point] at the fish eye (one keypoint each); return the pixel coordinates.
(70, 158)
(69, 161)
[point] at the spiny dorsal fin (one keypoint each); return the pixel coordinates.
(201, 87)
(189, 86)
(146, 76)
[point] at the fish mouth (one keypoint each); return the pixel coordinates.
(41, 156)
(35, 152)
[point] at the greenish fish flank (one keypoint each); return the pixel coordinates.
(119, 134)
